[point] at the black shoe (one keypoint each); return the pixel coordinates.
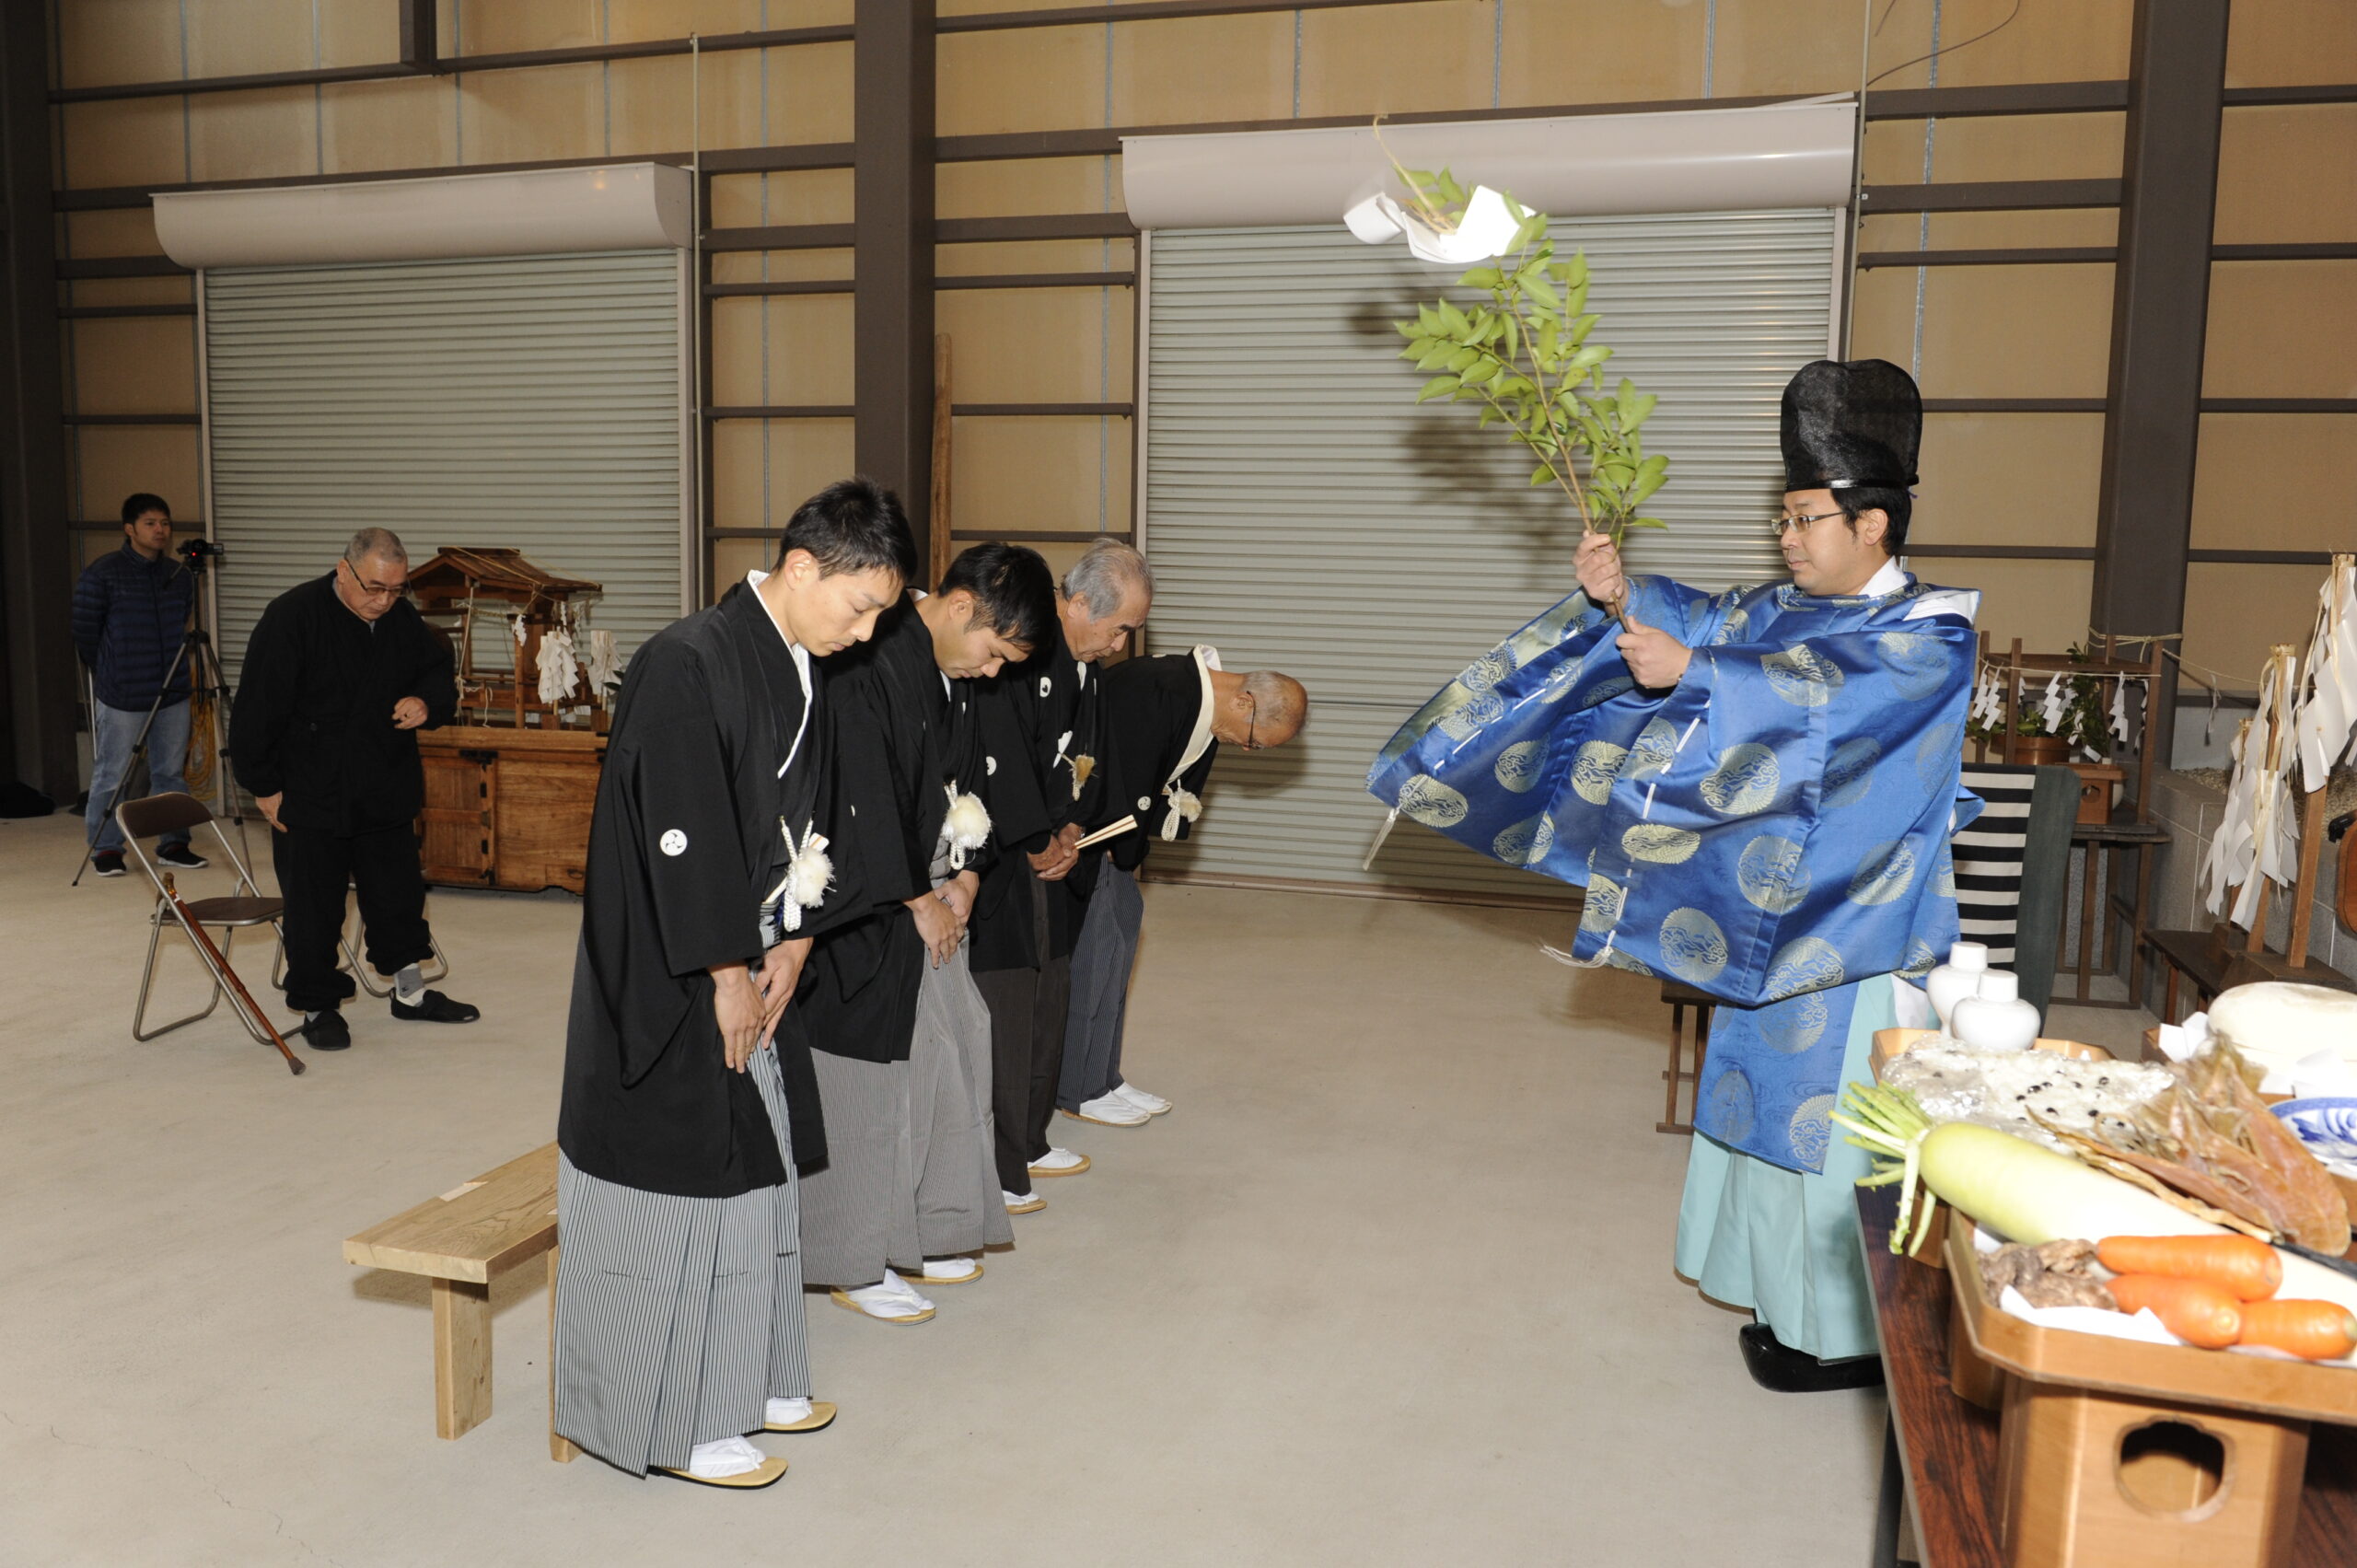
(435, 1008)
(1781, 1369)
(183, 856)
(326, 1032)
(107, 863)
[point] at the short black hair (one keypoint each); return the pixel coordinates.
(139, 505)
(1897, 505)
(1013, 589)
(853, 524)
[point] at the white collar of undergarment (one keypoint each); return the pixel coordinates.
(1888, 579)
(801, 655)
(1199, 742)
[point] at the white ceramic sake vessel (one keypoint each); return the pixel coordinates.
(1996, 1017)
(1957, 979)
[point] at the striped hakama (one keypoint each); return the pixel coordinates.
(1101, 961)
(677, 1318)
(910, 1173)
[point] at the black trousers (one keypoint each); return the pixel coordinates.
(1028, 1015)
(314, 868)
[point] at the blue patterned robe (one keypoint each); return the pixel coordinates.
(1772, 830)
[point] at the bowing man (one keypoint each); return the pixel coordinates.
(1040, 735)
(1757, 788)
(902, 1037)
(678, 1294)
(1164, 721)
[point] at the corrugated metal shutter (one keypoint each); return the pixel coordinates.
(1302, 514)
(528, 402)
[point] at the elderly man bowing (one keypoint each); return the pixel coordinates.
(339, 675)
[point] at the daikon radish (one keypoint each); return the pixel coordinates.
(2029, 1194)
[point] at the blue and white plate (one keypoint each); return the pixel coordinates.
(2327, 1125)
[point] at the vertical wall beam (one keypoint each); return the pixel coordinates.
(892, 259)
(421, 35)
(2159, 313)
(36, 547)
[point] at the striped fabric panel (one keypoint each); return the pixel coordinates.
(1989, 859)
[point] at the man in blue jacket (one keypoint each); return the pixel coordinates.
(131, 614)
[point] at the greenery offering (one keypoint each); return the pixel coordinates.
(1525, 357)
(2085, 723)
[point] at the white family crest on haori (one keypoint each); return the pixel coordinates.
(966, 826)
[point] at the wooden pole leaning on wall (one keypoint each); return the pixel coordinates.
(944, 551)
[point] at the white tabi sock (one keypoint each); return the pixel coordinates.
(785, 1413)
(950, 1269)
(406, 987)
(893, 1298)
(729, 1455)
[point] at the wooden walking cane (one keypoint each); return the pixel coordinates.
(227, 975)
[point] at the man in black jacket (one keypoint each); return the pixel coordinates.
(131, 615)
(339, 675)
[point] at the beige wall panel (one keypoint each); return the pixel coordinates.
(2281, 330)
(1027, 185)
(2061, 226)
(2042, 602)
(2275, 481)
(2030, 147)
(100, 42)
(1400, 60)
(2280, 42)
(1894, 153)
(1882, 322)
(133, 290)
(735, 351)
(134, 141)
(1038, 473)
(811, 195)
(1602, 52)
(1786, 46)
(1034, 256)
(2008, 479)
(1195, 69)
(237, 38)
(792, 266)
(736, 201)
(810, 91)
(2234, 614)
(1037, 345)
(127, 231)
(631, 21)
(732, 558)
(810, 349)
(2016, 331)
(1028, 79)
(2288, 175)
(550, 111)
(652, 103)
(358, 32)
(256, 136)
(114, 460)
(805, 457)
(91, 543)
(2084, 40)
(143, 365)
(737, 473)
(367, 126)
(490, 27)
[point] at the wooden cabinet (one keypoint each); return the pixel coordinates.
(509, 808)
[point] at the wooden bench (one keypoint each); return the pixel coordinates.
(459, 1241)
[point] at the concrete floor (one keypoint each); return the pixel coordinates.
(1390, 1286)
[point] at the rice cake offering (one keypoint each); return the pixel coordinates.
(2002, 1088)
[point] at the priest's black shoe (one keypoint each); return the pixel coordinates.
(1779, 1368)
(327, 1031)
(435, 1008)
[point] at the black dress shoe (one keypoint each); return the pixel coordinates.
(435, 1008)
(1779, 1368)
(326, 1032)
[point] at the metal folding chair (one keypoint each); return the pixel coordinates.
(158, 814)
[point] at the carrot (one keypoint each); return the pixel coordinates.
(2246, 1268)
(2194, 1310)
(2320, 1331)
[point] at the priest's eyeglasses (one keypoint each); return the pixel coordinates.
(1798, 525)
(1252, 721)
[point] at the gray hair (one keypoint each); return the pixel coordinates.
(1277, 700)
(1108, 570)
(382, 544)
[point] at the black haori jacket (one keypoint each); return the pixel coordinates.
(1040, 722)
(1158, 748)
(710, 756)
(314, 714)
(903, 738)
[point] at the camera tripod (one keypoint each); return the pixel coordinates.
(198, 657)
